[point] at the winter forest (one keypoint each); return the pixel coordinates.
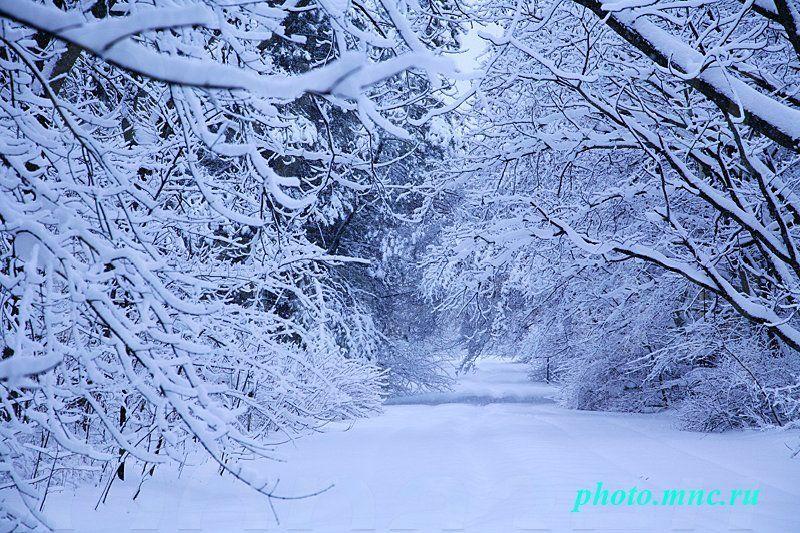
(430, 265)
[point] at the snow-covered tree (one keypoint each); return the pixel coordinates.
(164, 165)
(631, 212)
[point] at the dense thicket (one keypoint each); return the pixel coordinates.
(626, 204)
(175, 181)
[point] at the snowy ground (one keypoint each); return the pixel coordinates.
(495, 455)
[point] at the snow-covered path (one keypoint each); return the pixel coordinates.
(495, 455)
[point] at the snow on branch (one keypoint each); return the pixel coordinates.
(767, 115)
(112, 40)
(171, 179)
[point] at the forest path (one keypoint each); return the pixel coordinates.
(494, 455)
